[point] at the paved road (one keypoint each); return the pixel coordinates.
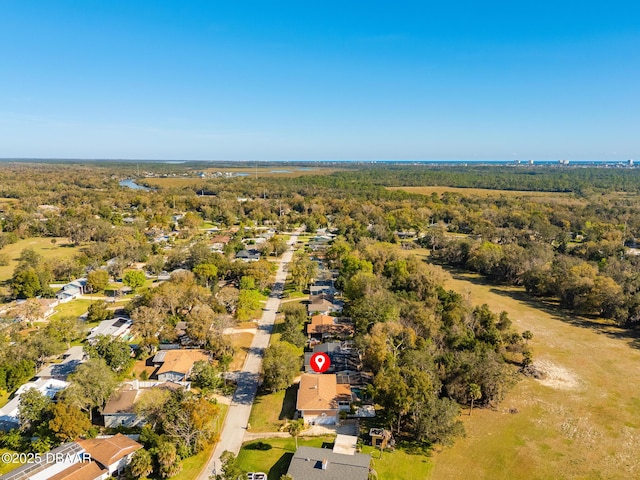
(235, 424)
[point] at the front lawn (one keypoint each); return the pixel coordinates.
(74, 308)
(273, 455)
(399, 464)
(270, 410)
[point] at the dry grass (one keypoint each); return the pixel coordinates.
(580, 422)
(548, 197)
(242, 342)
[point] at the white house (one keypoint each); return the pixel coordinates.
(72, 290)
(46, 386)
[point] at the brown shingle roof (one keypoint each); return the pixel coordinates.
(321, 392)
(221, 239)
(108, 451)
(181, 361)
(81, 471)
(121, 402)
(327, 324)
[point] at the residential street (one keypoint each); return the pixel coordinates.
(235, 424)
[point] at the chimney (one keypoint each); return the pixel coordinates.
(325, 462)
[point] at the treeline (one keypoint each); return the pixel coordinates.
(581, 180)
(429, 349)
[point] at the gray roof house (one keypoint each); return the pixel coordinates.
(310, 463)
(248, 255)
(72, 290)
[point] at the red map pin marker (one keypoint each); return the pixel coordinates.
(320, 362)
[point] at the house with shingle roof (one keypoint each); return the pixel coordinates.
(120, 408)
(309, 463)
(321, 398)
(324, 326)
(177, 364)
(322, 303)
(91, 459)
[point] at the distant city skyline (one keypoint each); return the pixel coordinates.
(324, 81)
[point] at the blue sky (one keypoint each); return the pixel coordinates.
(302, 80)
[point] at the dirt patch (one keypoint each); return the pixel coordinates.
(556, 376)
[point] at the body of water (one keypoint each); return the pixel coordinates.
(131, 184)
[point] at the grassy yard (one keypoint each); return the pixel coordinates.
(270, 410)
(399, 464)
(242, 342)
(73, 308)
(272, 455)
(581, 422)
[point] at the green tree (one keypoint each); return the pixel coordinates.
(280, 366)
(141, 464)
(98, 312)
(205, 376)
(25, 283)
(303, 270)
(68, 422)
(33, 408)
(41, 346)
(114, 351)
(278, 245)
(148, 323)
(155, 264)
(91, 385)
(97, 280)
(294, 428)
(65, 329)
(206, 273)
(230, 468)
(475, 393)
(134, 279)
(168, 460)
(248, 304)
(151, 405)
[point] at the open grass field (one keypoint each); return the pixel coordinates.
(551, 197)
(581, 422)
(42, 245)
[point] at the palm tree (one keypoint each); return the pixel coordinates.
(294, 428)
(475, 393)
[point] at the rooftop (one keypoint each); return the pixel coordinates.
(107, 451)
(321, 392)
(181, 361)
(307, 464)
